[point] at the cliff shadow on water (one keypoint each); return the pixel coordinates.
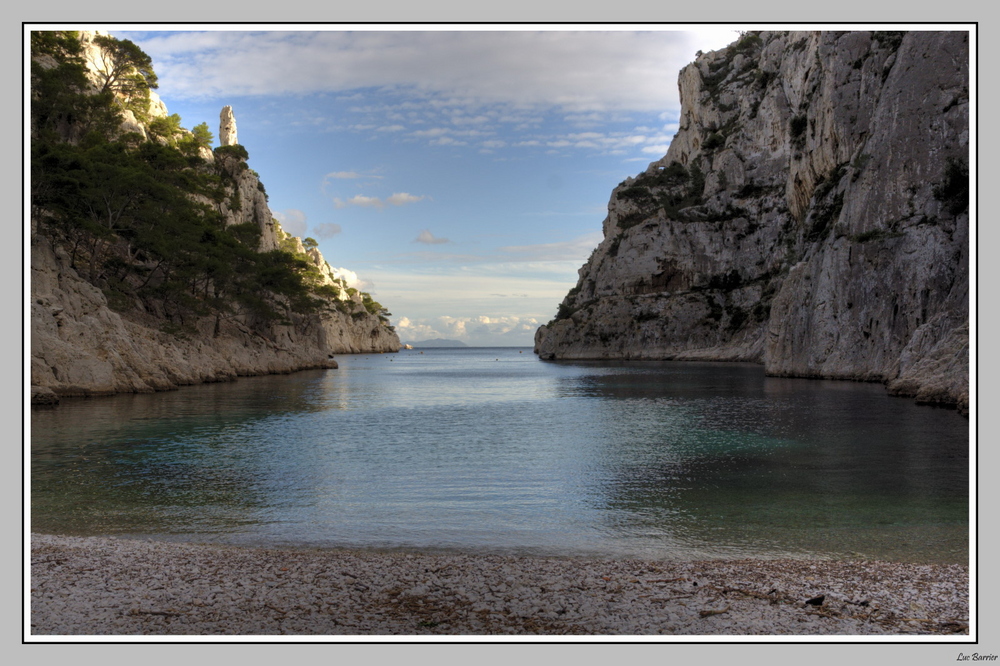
(811, 214)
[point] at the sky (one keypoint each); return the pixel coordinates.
(460, 175)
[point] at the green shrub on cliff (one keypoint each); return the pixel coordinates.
(672, 188)
(713, 142)
(59, 108)
(166, 127)
(131, 213)
(202, 135)
(234, 150)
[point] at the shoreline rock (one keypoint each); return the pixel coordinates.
(81, 347)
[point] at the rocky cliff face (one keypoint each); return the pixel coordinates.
(811, 214)
(80, 346)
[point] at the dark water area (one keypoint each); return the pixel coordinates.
(492, 450)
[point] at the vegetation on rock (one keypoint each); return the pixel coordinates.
(142, 219)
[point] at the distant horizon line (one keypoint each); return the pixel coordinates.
(464, 346)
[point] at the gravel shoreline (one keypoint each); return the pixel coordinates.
(117, 587)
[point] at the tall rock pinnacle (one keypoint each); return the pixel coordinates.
(227, 127)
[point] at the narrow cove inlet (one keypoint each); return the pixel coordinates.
(492, 450)
(749, 416)
(519, 484)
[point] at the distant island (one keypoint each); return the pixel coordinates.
(438, 342)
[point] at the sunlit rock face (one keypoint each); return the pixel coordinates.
(811, 214)
(227, 127)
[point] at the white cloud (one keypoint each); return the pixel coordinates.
(578, 71)
(292, 220)
(401, 198)
(455, 327)
(359, 200)
(475, 330)
(448, 141)
(613, 143)
(352, 279)
(433, 132)
(585, 119)
(329, 186)
(397, 199)
(428, 238)
(576, 249)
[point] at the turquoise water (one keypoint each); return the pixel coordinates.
(492, 450)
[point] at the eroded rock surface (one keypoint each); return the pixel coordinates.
(227, 127)
(81, 347)
(811, 214)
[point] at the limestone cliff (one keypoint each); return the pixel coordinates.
(811, 214)
(81, 345)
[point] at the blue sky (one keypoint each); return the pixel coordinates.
(460, 175)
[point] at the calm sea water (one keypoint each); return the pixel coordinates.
(492, 450)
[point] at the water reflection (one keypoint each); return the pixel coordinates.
(780, 465)
(494, 450)
(178, 460)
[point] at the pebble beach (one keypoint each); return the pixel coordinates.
(102, 586)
